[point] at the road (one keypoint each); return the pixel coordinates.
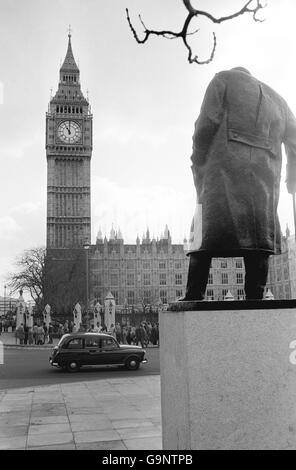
(27, 367)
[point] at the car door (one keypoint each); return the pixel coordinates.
(92, 350)
(72, 350)
(110, 351)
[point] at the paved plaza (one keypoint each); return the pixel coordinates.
(113, 414)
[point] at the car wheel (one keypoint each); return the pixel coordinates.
(72, 366)
(132, 363)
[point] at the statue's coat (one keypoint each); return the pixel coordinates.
(236, 163)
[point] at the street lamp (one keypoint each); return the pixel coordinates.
(86, 246)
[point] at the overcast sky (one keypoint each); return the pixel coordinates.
(145, 100)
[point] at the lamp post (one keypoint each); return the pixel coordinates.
(86, 247)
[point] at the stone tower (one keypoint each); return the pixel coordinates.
(68, 153)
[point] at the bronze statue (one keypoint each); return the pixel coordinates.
(236, 164)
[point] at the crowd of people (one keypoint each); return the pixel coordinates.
(37, 334)
(144, 333)
(6, 324)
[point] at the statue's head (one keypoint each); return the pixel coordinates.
(241, 69)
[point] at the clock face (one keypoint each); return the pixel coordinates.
(69, 132)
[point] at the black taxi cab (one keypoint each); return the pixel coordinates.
(75, 350)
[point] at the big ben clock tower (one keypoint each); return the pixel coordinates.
(68, 153)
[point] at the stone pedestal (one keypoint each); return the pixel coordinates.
(228, 375)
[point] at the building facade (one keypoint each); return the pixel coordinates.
(7, 304)
(147, 273)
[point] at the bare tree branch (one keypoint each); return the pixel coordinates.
(184, 33)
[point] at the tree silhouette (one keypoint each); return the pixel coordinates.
(185, 32)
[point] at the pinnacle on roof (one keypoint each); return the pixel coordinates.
(99, 235)
(69, 63)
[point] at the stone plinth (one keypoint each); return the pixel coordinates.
(228, 375)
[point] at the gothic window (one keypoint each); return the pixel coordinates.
(130, 297)
(162, 279)
(146, 265)
(224, 292)
(162, 265)
(178, 279)
(179, 293)
(75, 78)
(114, 279)
(147, 280)
(130, 279)
(239, 263)
(178, 265)
(130, 264)
(239, 278)
(163, 296)
(147, 296)
(224, 264)
(224, 278)
(210, 279)
(210, 294)
(240, 294)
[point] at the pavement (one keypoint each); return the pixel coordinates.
(109, 414)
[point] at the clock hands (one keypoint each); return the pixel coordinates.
(68, 129)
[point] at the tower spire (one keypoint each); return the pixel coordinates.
(69, 64)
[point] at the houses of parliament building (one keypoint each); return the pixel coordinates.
(148, 272)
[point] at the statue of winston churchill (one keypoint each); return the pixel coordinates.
(236, 164)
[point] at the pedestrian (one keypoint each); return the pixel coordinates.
(112, 330)
(236, 165)
(154, 335)
(45, 333)
(128, 335)
(35, 330)
(1, 326)
(26, 329)
(40, 335)
(60, 330)
(20, 333)
(30, 335)
(124, 334)
(133, 335)
(97, 328)
(50, 333)
(66, 327)
(118, 332)
(143, 336)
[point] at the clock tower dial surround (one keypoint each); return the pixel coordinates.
(68, 153)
